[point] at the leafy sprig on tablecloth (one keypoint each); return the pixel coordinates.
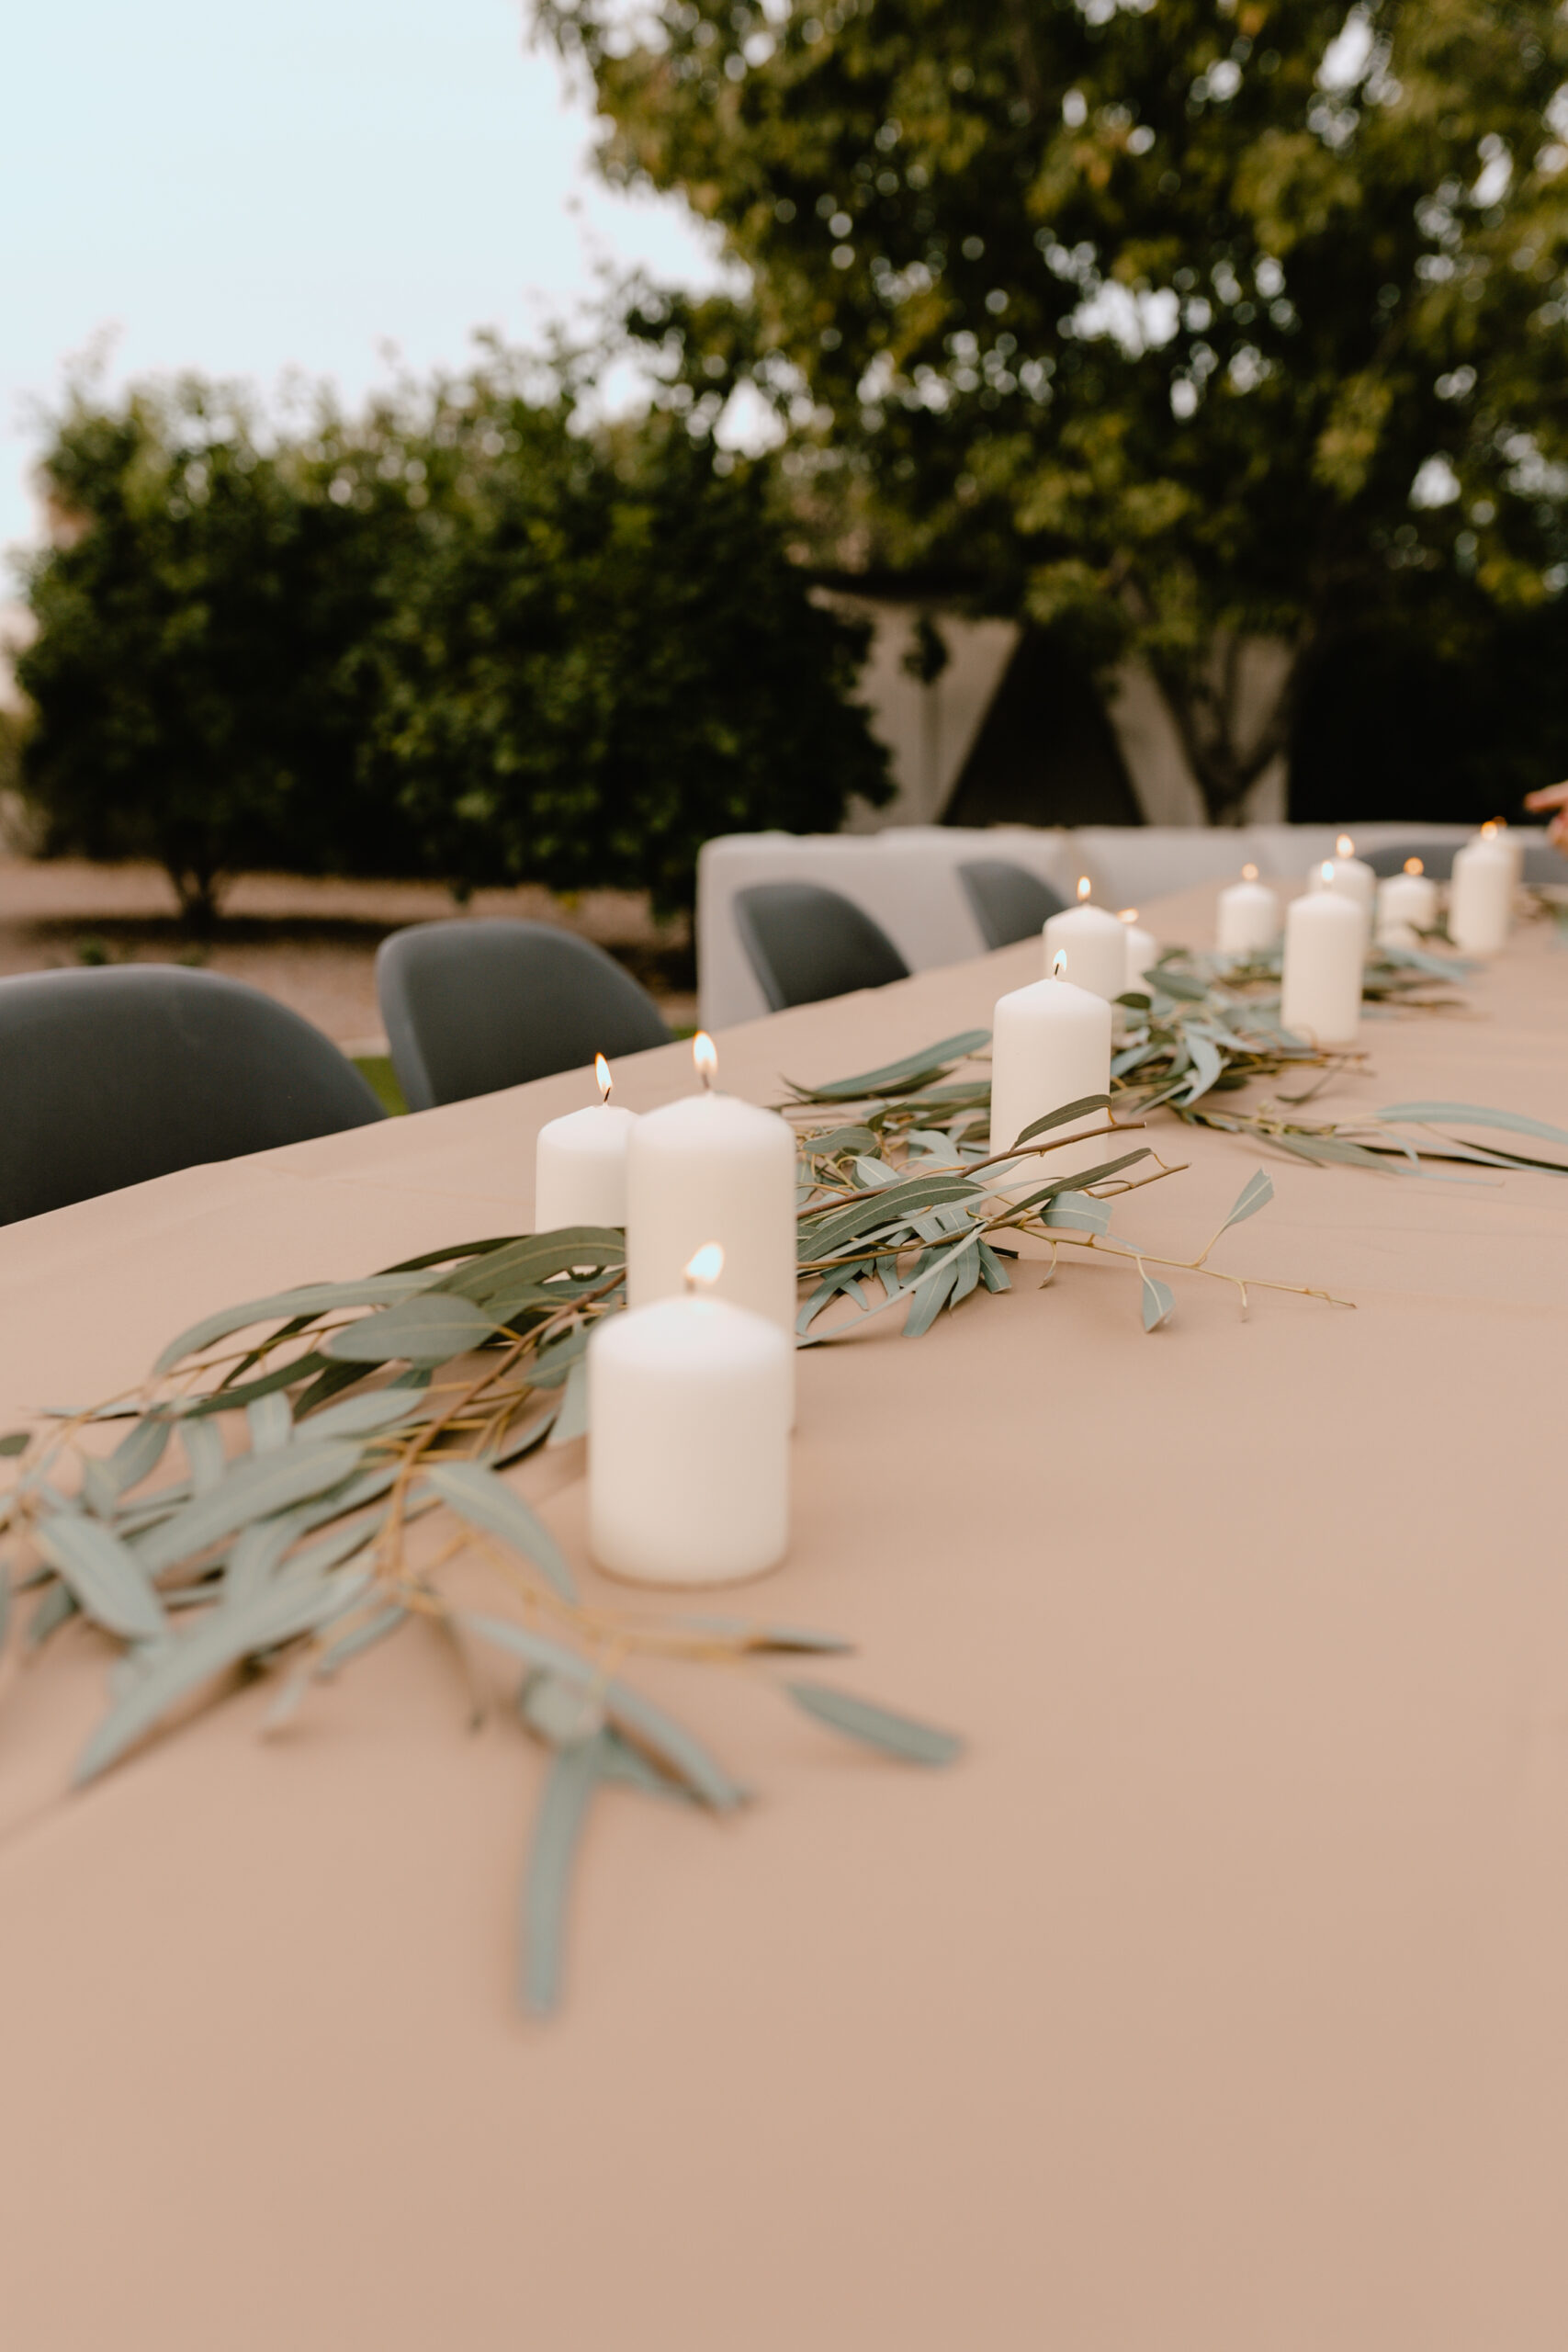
(297, 1471)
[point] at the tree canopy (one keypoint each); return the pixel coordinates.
(457, 634)
(1173, 321)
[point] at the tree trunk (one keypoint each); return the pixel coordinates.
(1206, 709)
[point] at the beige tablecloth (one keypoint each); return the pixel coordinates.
(1218, 2002)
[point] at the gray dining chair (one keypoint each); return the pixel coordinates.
(805, 943)
(472, 1006)
(113, 1076)
(1007, 900)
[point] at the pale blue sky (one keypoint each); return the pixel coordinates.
(242, 189)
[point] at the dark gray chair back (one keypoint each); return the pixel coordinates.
(1544, 864)
(1008, 901)
(805, 943)
(110, 1077)
(472, 1006)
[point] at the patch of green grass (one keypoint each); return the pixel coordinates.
(378, 1070)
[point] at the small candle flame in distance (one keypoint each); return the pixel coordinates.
(1328, 869)
(704, 1055)
(602, 1072)
(1059, 963)
(1489, 832)
(1128, 914)
(1083, 887)
(1343, 846)
(1414, 866)
(704, 1269)
(1249, 872)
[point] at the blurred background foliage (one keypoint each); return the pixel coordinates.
(1166, 325)
(1159, 326)
(458, 635)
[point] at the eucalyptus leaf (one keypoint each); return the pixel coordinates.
(538, 1258)
(900, 1075)
(1207, 1066)
(137, 1453)
(1078, 1212)
(1255, 1195)
(359, 1639)
(574, 1773)
(56, 1605)
(107, 1580)
(14, 1442)
(929, 1292)
(270, 1422)
(256, 1487)
(1468, 1115)
(203, 1442)
(1159, 1300)
(485, 1501)
(900, 1736)
(1059, 1118)
(366, 1416)
(310, 1299)
(572, 1420)
(431, 1329)
(553, 1365)
(278, 1613)
(745, 1636)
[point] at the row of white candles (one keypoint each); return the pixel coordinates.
(691, 1389)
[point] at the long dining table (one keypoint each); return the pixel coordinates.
(1215, 2001)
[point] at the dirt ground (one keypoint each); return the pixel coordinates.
(309, 943)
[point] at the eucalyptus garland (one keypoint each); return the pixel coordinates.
(255, 1518)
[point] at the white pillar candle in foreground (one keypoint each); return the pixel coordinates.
(1050, 1044)
(1142, 949)
(1094, 942)
(711, 1168)
(1407, 905)
(580, 1163)
(688, 1438)
(1326, 935)
(1512, 840)
(1481, 896)
(1248, 916)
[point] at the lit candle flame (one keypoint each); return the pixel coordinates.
(703, 1271)
(1414, 866)
(1128, 914)
(602, 1072)
(1058, 964)
(704, 1055)
(1327, 869)
(1489, 832)
(1343, 846)
(1249, 872)
(1083, 887)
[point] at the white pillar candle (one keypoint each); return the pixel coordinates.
(1248, 916)
(1141, 948)
(1325, 934)
(1407, 905)
(1512, 838)
(1050, 1044)
(711, 1168)
(1350, 875)
(580, 1163)
(1094, 942)
(1481, 896)
(688, 1438)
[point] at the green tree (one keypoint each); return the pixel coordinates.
(1174, 322)
(601, 656)
(457, 633)
(197, 677)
